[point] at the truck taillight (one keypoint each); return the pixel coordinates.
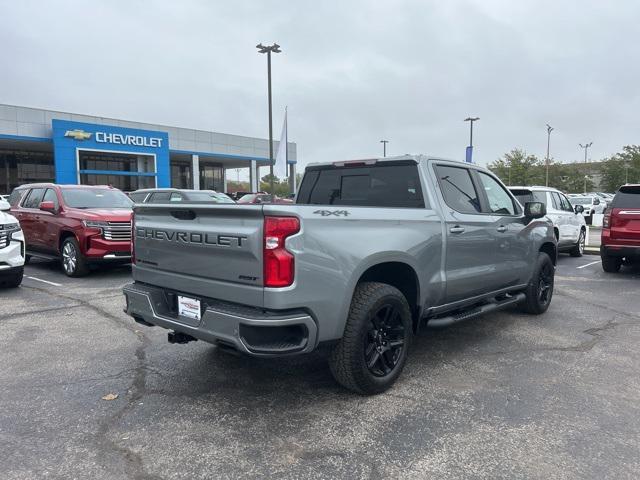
(133, 238)
(606, 221)
(279, 263)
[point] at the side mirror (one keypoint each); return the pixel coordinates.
(534, 210)
(4, 206)
(48, 206)
(578, 209)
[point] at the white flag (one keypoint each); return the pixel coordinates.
(280, 168)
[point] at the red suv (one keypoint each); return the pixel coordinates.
(621, 229)
(77, 224)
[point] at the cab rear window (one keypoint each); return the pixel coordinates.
(627, 197)
(395, 185)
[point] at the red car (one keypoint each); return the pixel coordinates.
(78, 224)
(621, 230)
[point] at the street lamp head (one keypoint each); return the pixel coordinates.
(275, 48)
(549, 128)
(471, 119)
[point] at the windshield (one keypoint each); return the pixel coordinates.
(581, 200)
(95, 198)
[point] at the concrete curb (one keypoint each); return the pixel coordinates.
(592, 251)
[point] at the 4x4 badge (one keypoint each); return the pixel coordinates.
(337, 213)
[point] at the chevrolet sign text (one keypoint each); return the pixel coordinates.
(135, 140)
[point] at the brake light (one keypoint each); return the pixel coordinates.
(133, 237)
(279, 263)
(606, 220)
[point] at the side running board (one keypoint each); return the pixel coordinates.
(492, 306)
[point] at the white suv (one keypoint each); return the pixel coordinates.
(12, 247)
(568, 221)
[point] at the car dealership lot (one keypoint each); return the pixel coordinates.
(502, 396)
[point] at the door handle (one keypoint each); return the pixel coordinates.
(502, 229)
(456, 229)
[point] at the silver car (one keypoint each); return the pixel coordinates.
(568, 216)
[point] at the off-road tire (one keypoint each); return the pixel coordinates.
(578, 249)
(14, 280)
(80, 267)
(534, 304)
(347, 360)
(611, 264)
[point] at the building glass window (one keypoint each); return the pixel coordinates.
(211, 177)
(181, 174)
(20, 167)
(126, 183)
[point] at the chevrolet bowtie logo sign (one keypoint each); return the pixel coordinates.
(77, 134)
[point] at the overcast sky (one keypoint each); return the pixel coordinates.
(351, 72)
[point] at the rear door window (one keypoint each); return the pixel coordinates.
(160, 197)
(458, 189)
(15, 197)
(627, 197)
(395, 185)
(137, 197)
(34, 198)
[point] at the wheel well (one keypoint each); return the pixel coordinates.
(63, 236)
(399, 275)
(550, 249)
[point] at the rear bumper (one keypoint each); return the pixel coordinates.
(620, 251)
(249, 330)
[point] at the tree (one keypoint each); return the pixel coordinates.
(519, 168)
(281, 187)
(621, 168)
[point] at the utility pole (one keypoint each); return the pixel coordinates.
(384, 147)
(268, 49)
(586, 147)
(469, 156)
(549, 130)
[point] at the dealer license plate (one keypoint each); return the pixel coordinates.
(189, 307)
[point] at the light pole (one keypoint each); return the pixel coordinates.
(549, 130)
(384, 147)
(268, 49)
(586, 147)
(470, 147)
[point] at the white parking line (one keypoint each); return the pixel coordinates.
(44, 281)
(588, 264)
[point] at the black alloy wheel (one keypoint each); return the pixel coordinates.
(385, 340)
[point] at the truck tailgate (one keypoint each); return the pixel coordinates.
(214, 251)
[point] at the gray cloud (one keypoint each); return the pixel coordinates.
(352, 72)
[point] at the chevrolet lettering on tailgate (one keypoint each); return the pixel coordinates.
(201, 238)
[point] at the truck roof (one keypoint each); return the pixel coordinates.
(398, 158)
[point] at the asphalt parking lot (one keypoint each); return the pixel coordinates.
(504, 396)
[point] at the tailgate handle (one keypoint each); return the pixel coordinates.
(183, 214)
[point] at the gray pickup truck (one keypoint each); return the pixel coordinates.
(371, 251)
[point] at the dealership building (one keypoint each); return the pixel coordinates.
(49, 146)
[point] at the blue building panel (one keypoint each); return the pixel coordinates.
(69, 137)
